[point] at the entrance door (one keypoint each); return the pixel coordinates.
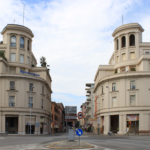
(28, 129)
(41, 128)
(12, 125)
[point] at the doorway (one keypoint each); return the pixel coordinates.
(12, 125)
(114, 123)
(28, 129)
(41, 128)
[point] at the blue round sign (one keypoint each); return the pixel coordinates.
(79, 132)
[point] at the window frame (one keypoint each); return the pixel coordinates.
(12, 102)
(130, 40)
(11, 43)
(122, 46)
(12, 87)
(11, 59)
(134, 100)
(132, 86)
(114, 87)
(30, 89)
(22, 44)
(21, 55)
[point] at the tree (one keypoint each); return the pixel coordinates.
(43, 61)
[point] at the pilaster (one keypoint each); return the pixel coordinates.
(37, 129)
(127, 47)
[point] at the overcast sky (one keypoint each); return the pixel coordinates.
(74, 36)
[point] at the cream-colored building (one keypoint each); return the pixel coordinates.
(124, 84)
(23, 84)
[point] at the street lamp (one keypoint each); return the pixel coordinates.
(108, 111)
(30, 107)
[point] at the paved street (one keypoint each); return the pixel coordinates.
(100, 142)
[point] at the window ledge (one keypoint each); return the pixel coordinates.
(103, 94)
(12, 90)
(22, 49)
(30, 92)
(131, 46)
(132, 89)
(13, 47)
(113, 91)
(43, 94)
(122, 48)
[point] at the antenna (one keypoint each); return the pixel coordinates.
(122, 19)
(23, 13)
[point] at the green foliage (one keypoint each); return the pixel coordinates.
(133, 69)
(2, 54)
(116, 71)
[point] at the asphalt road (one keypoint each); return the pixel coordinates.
(99, 141)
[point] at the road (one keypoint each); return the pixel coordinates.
(100, 142)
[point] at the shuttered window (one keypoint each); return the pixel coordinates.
(12, 70)
(13, 57)
(114, 102)
(30, 101)
(132, 100)
(21, 58)
(132, 55)
(11, 100)
(30, 86)
(12, 85)
(124, 56)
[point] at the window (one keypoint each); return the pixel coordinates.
(123, 41)
(114, 102)
(124, 56)
(102, 90)
(27, 60)
(113, 86)
(13, 41)
(132, 40)
(132, 84)
(28, 45)
(42, 89)
(21, 58)
(21, 42)
(117, 58)
(117, 44)
(123, 69)
(132, 100)
(12, 85)
(13, 57)
(12, 70)
(132, 55)
(102, 103)
(42, 104)
(11, 100)
(133, 68)
(30, 101)
(30, 86)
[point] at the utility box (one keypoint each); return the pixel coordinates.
(71, 135)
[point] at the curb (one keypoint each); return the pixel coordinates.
(51, 146)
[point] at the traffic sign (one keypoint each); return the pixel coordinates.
(27, 123)
(79, 132)
(80, 115)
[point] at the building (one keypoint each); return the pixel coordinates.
(90, 103)
(83, 110)
(58, 117)
(123, 87)
(23, 85)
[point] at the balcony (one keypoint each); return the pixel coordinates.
(88, 106)
(88, 114)
(88, 99)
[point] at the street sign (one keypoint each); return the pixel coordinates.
(80, 115)
(70, 113)
(27, 123)
(79, 132)
(37, 124)
(98, 120)
(70, 117)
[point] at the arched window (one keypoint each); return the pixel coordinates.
(13, 41)
(123, 41)
(21, 42)
(28, 45)
(132, 40)
(117, 44)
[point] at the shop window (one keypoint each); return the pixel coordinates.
(12, 85)
(30, 102)
(13, 57)
(113, 86)
(117, 44)
(21, 58)
(132, 40)
(132, 55)
(114, 102)
(123, 56)
(30, 86)
(123, 41)
(132, 100)
(21, 42)
(13, 41)
(11, 100)
(132, 84)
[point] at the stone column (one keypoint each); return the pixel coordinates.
(119, 50)
(17, 69)
(25, 48)
(7, 53)
(141, 121)
(37, 129)
(106, 124)
(137, 40)
(122, 123)
(127, 47)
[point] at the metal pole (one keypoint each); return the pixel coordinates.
(66, 130)
(79, 136)
(30, 112)
(109, 113)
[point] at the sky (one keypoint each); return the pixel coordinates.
(75, 36)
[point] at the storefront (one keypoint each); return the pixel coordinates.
(134, 121)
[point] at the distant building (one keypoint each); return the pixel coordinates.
(123, 86)
(83, 110)
(23, 85)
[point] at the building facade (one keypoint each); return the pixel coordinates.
(83, 110)
(24, 87)
(90, 103)
(122, 88)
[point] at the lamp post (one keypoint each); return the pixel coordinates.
(108, 111)
(30, 107)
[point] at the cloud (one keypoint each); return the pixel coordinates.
(74, 35)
